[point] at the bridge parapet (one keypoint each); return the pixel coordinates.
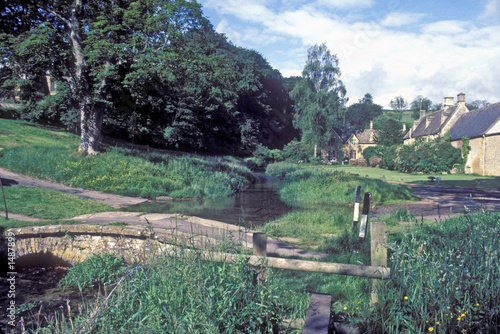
(74, 243)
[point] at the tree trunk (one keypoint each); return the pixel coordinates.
(90, 116)
(315, 150)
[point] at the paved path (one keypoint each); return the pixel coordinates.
(116, 201)
(439, 202)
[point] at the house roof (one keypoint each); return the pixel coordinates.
(364, 136)
(476, 123)
(435, 123)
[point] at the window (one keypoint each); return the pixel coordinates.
(352, 154)
(331, 142)
(332, 156)
(52, 86)
(353, 142)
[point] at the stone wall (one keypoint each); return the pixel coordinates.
(74, 243)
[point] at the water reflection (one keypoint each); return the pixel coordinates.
(253, 206)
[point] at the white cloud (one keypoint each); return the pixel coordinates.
(442, 59)
(492, 11)
(445, 27)
(401, 19)
(345, 4)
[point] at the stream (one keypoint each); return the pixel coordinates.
(254, 206)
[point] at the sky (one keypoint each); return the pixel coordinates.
(388, 48)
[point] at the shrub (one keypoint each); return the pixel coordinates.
(102, 268)
(436, 156)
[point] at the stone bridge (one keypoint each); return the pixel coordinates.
(74, 243)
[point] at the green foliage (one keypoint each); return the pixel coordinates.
(319, 96)
(373, 151)
(296, 151)
(157, 72)
(465, 148)
(420, 103)
(399, 105)
(389, 158)
(444, 278)
(358, 115)
(314, 185)
(389, 132)
(101, 269)
(435, 156)
(183, 293)
(51, 155)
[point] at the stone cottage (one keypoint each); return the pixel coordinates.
(438, 123)
(348, 144)
(482, 127)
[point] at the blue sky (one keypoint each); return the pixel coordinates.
(385, 48)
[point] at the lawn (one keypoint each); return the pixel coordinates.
(450, 180)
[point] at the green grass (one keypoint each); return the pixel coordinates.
(177, 294)
(445, 278)
(52, 155)
(450, 180)
(329, 186)
(49, 204)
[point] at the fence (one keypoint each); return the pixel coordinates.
(318, 316)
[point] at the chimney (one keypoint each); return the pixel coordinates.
(422, 114)
(371, 125)
(461, 100)
(448, 102)
(404, 127)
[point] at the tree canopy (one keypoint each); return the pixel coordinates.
(359, 114)
(153, 71)
(399, 105)
(319, 96)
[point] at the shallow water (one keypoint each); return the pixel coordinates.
(253, 206)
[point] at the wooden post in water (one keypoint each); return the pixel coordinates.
(378, 254)
(356, 208)
(364, 215)
(259, 240)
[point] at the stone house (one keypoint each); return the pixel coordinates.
(348, 144)
(438, 123)
(482, 127)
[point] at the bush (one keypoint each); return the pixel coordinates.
(436, 156)
(102, 268)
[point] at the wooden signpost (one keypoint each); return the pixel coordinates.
(356, 208)
(364, 216)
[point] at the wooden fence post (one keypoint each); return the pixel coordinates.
(356, 208)
(259, 240)
(364, 215)
(378, 254)
(4, 202)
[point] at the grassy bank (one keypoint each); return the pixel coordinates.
(323, 200)
(52, 155)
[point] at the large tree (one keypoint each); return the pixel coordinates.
(319, 96)
(359, 114)
(98, 38)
